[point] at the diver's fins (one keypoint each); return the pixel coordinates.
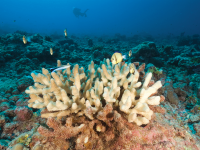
(85, 12)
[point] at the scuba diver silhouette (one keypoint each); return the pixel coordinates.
(77, 12)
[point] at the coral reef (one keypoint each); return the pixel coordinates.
(104, 124)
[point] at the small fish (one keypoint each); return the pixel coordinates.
(51, 51)
(65, 31)
(132, 68)
(25, 40)
(59, 68)
(117, 57)
(130, 53)
(14, 21)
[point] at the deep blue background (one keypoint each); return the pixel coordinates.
(104, 16)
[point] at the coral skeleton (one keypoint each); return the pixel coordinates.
(87, 93)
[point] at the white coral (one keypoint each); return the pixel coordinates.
(74, 91)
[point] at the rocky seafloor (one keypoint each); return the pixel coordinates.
(176, 124)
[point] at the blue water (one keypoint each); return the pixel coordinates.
(104, 17)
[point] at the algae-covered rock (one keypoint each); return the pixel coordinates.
(145, 51)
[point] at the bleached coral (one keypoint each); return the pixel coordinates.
(87, 92)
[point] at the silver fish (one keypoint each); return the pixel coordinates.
(60, 68)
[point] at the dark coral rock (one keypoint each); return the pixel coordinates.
(22, 102)
(180, 61)
(66, 46)
(23, 113)
(68, 41)
(48, 38)
(72, 47)
(10, 112)
(9, 90)
(168, 49)
(74, 58)
(90, 42)
(98, 55)
(10, 127)
(145, 51)
(37, 39)
(4, 106)
(23, 83)
(3, 99)
(15, 38)
(157, 61)
(64, 56)
(106, 54)
(188, 40)
(34, 50)
(97, 47)
(8, 95)
(24, 64)
(14, 98)
(36, 61)
(15, 92)
(12, 103)
(2, 61)
(152, 45)
(195, 68)
(8, 57)
(11, 51)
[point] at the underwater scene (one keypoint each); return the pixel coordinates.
(99, 75)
